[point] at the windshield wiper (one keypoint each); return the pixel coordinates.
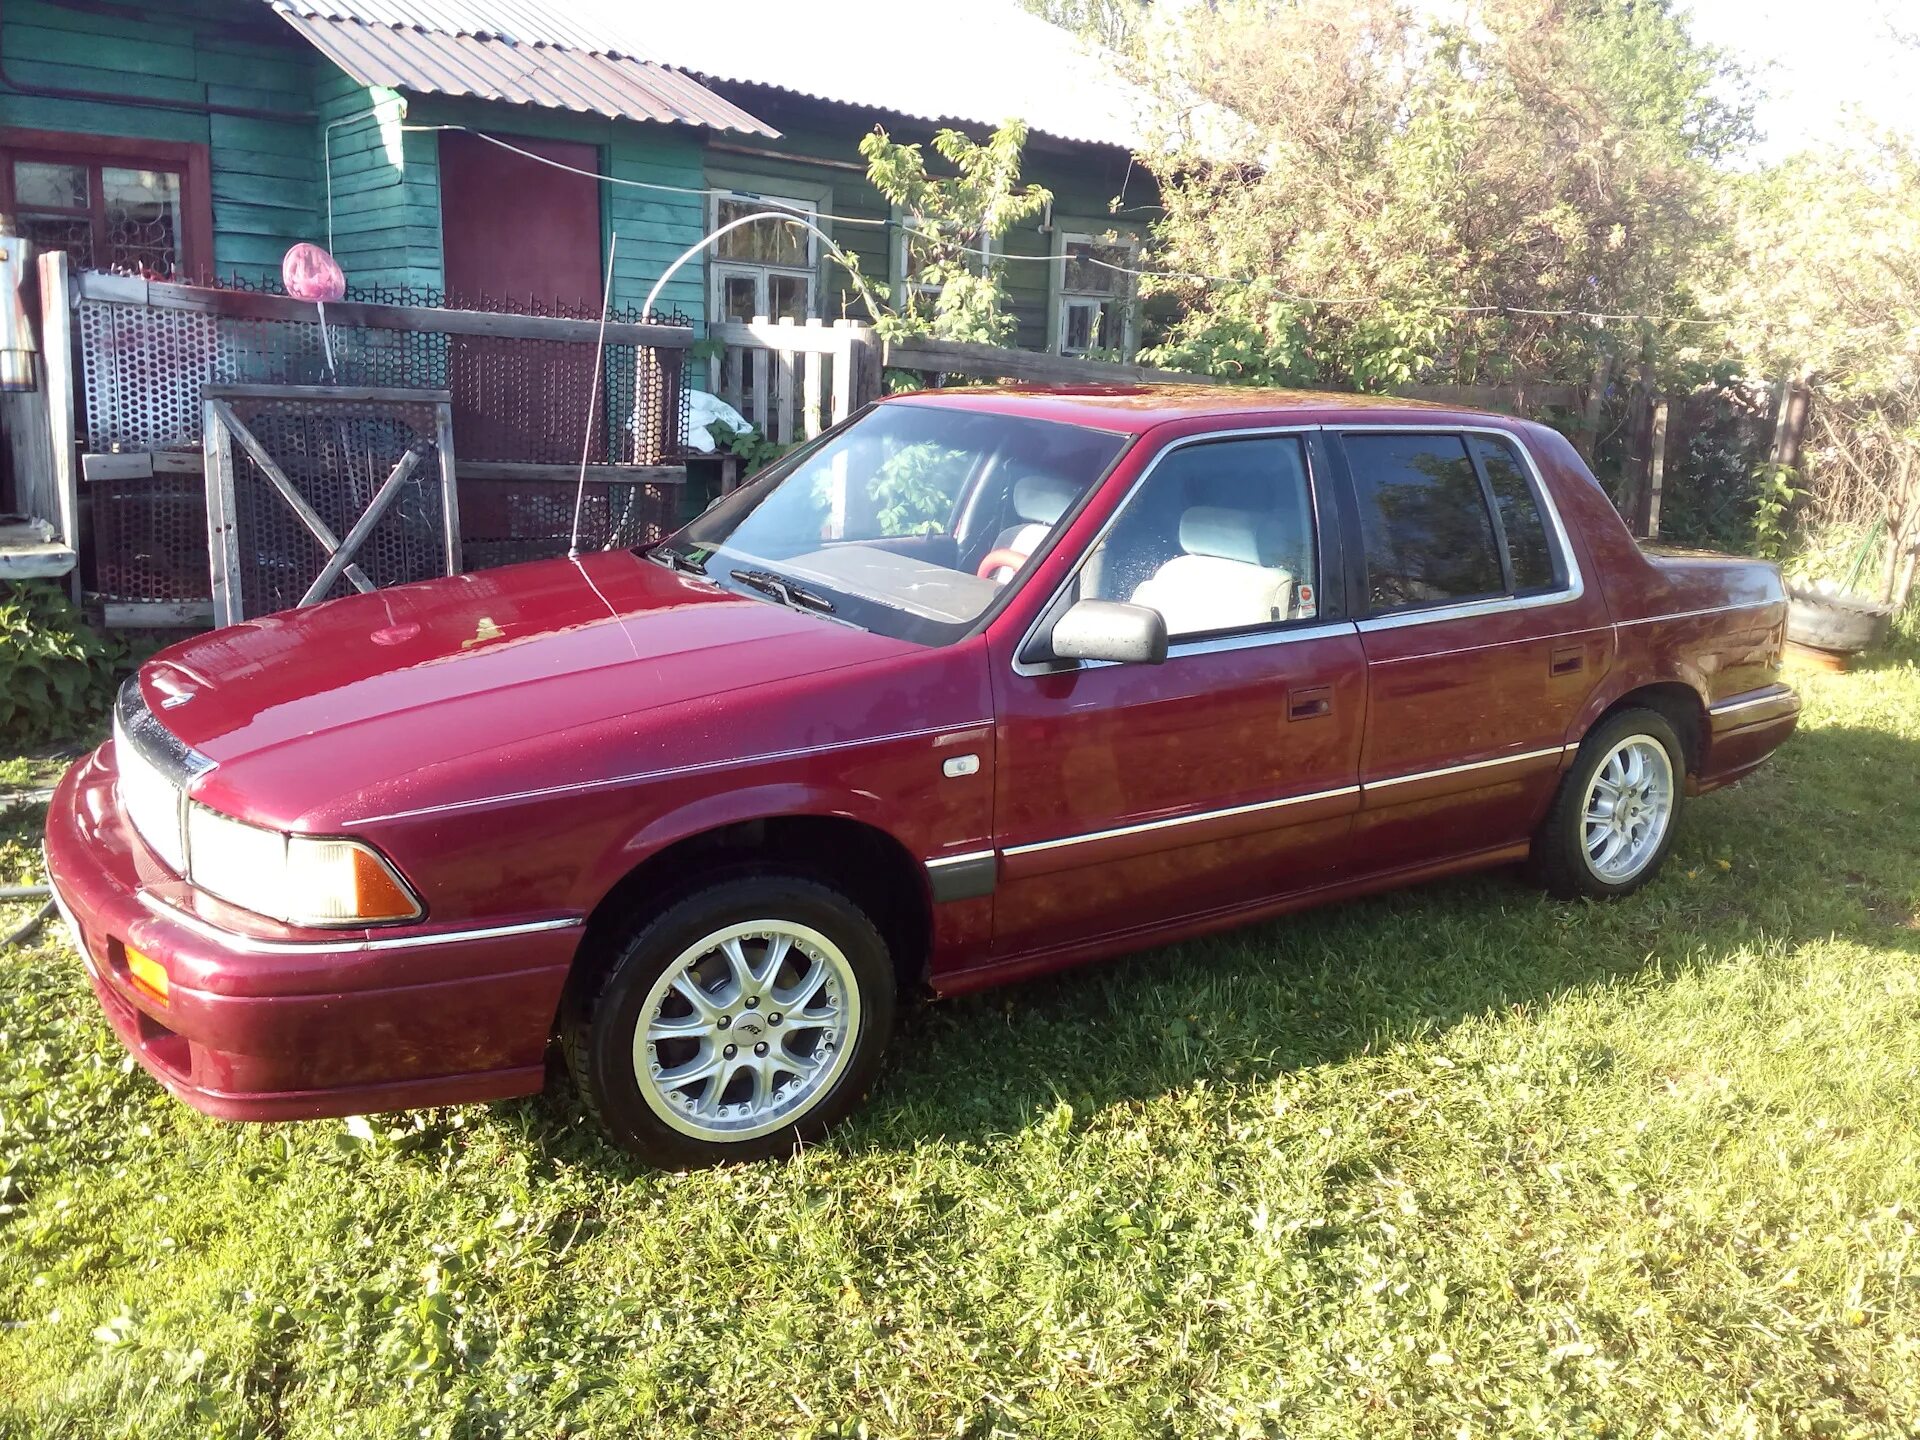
(794, 597)
(680, 560)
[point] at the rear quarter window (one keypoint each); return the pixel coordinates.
(1535, 567)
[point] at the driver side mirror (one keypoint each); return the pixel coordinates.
(1110, 630)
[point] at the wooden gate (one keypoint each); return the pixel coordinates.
(317, 490)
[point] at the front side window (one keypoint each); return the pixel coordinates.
(1424, 523)
(105, 216)
(1218, 538)
(909, 521)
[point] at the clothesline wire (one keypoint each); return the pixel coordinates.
(1601, 317)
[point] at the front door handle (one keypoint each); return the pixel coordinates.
(1310, 704)
(1568, 660)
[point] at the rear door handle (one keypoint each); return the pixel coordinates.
(1310, 704)
(1568, 660)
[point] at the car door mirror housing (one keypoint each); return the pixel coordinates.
(1110, 630)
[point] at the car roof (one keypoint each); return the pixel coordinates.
(1135, 409)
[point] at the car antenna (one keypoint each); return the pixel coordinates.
(593, 397)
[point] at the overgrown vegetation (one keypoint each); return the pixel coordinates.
(56, 673)
(952, 286)
(1458, 1161)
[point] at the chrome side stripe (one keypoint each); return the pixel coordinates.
(1462, 769)
(1692, 614)
(1178, 820)
(1728, 707)
(231, 941)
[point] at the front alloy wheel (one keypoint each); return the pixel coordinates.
(748, 1027)
(733, 1023)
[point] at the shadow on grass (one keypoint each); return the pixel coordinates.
(1824, 841)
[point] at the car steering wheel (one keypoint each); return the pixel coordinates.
(1001, 559)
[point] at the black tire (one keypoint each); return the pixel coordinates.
(602, 1014)
(1559, 861)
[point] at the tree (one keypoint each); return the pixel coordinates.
(955, 287)
(1421, 186)
(1822, 280)
(1109, 23)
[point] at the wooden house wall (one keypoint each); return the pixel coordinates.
(263, 173)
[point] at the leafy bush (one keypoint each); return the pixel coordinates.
(56, 674)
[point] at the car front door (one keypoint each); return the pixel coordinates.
(1482, 640)
(1129, 795)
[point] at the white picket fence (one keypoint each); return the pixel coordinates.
(794, 380)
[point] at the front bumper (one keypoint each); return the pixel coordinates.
(285, 1025)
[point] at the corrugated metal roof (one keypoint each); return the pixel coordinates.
(988, 61)
(994, 61)
(509, 50)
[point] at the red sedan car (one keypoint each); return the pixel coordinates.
(975, 686)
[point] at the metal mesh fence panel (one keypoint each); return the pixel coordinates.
(516, 400)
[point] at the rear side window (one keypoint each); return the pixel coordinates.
(1423, 521)
(1521, 522)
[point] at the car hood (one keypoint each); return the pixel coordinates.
(303, 707)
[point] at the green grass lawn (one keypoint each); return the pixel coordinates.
(1455, 1162)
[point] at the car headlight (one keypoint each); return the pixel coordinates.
(296, 878)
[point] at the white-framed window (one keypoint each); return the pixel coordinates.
(1093, 306)
(768, 268)
(910, 259)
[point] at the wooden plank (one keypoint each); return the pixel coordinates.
(35, 560)
(156, 614)
(842, 370)
(811, 406)
(222, 413)
(733, 366)
(243, 304)
(994, 362)
(23, 420)
(783, 388)
(449, 485)
(223, 537)
(1657, 466)
(139, 464)
(348, 394)
(56, 355)
(756, 410)
(487, 470)
(812, 337)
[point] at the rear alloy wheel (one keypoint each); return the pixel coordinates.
(1612, 821)
(739, 1021)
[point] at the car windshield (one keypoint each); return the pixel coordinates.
(908, 521)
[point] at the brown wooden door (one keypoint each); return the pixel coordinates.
(518, 234)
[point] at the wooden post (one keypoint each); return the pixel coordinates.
(1656, 465)
(866, 364)
(810, 406)
(1790, 421)
(56, 351)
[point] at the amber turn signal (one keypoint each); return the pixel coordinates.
(148, 974)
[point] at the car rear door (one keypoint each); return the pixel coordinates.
(1482, 639)
(1131, 795)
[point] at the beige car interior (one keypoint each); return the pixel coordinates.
(1228, 575)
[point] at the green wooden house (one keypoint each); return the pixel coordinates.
(496, 148)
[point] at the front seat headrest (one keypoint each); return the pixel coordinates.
(1223, 534)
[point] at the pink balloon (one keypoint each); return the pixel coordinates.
(310, 273)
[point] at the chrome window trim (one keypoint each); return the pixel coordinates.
(1576, 585)
(1175, 821)
(972, 857)
(234, 941)
(1286, 632)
